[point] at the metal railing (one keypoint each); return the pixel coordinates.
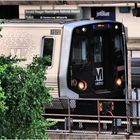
(91, 122)
(71, 121)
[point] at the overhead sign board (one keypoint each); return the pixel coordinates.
(103, 13)
(52, 13)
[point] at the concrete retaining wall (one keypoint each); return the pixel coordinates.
(86, 136)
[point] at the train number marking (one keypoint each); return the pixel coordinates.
(99, 80)
(55, 32)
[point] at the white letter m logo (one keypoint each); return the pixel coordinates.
(99, 74)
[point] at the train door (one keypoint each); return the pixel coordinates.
(98, 60)
(102, 61)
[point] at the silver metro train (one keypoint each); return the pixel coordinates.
(88, 56)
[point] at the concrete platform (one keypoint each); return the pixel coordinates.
(86, 136)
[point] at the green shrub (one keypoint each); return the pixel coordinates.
(22, 94)
(2, 94)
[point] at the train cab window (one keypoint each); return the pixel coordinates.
(79, 52)
(48, 44)
(118, 51)
(98, 44)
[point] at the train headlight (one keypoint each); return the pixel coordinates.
(84, 29)
(119, 82)
(82, 85)
(116, 27)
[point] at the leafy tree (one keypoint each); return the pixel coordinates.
(22, 95)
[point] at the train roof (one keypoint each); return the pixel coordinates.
(50, 22)
(58, 21)
(36, 22)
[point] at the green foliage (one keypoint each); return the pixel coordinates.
(2, 96)
(2, 99)
(22, 93)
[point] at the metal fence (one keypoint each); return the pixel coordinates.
(84, 119)
(93, 119)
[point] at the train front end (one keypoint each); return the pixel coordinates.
(96, 61)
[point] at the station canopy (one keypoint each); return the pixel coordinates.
(66, 1)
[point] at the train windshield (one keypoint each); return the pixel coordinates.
(96, 53)
(83, 47)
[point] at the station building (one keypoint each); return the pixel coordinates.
(117, 10)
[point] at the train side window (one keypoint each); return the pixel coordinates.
(48, 44)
